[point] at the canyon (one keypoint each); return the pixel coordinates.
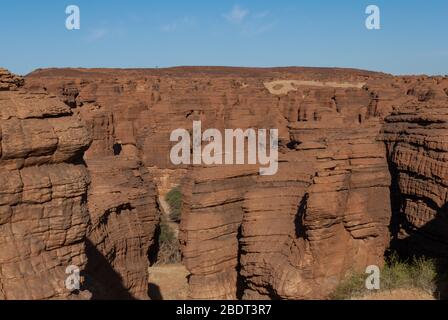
(85, 165)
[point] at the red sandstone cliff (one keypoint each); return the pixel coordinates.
(416, 134)
(294, 235)
(62, 206)
(43, 187)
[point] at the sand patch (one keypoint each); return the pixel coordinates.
(398, 294)
(168, 282)
(282, 87)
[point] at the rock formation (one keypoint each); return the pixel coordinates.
(326, 212)
(346, 139)
(121, 201)
(416, 134)
(43, 188)
(67, 200)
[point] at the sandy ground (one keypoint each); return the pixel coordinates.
(168, 282)
(282, 87)
(399, 294)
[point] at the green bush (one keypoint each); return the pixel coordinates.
(166, 233)
(352, 286)
(417, 273)
(169, 248)
(174, 200)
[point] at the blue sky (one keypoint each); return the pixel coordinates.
(148, 33)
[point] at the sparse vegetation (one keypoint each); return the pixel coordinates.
(417, 273)
(169, 248)
(174, 200)
(166, 233)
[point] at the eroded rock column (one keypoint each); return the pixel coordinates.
(43, 188)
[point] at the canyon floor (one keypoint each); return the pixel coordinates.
(399, 294)
(168, 282)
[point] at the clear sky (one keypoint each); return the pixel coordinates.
(146, 33)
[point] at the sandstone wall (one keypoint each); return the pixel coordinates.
(293, 235)
(416, 134)
(326, 212)
(43, 188)
(121, 200)
(68, 196)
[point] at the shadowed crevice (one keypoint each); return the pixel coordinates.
(101, 279)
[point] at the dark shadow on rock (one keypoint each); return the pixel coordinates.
(429, 241)
(117, 149)
(298, 222)
(101, 279)
(153, 251)
(154, 292)
(240, 280)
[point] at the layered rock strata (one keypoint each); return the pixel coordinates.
(325, 214)
(122, 203)
(43, 189)
(416, 134)
(69, 199)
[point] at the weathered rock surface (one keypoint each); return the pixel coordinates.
(326, 212)
(293, 235)
(124, 216)
(416, 134)
(43, 188)
(121, 201)
(9, 81)
(67, 198)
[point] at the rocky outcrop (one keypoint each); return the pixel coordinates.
(124, 216)
(296, 234)
(43, 188)
(68, 198)
(121, 202)
(416, 134)
(244, 235)
(293, 235)
(9, 81)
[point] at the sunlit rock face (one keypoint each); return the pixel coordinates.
(43, 193)
(68, 200)
(121, 198)
(294, 235)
